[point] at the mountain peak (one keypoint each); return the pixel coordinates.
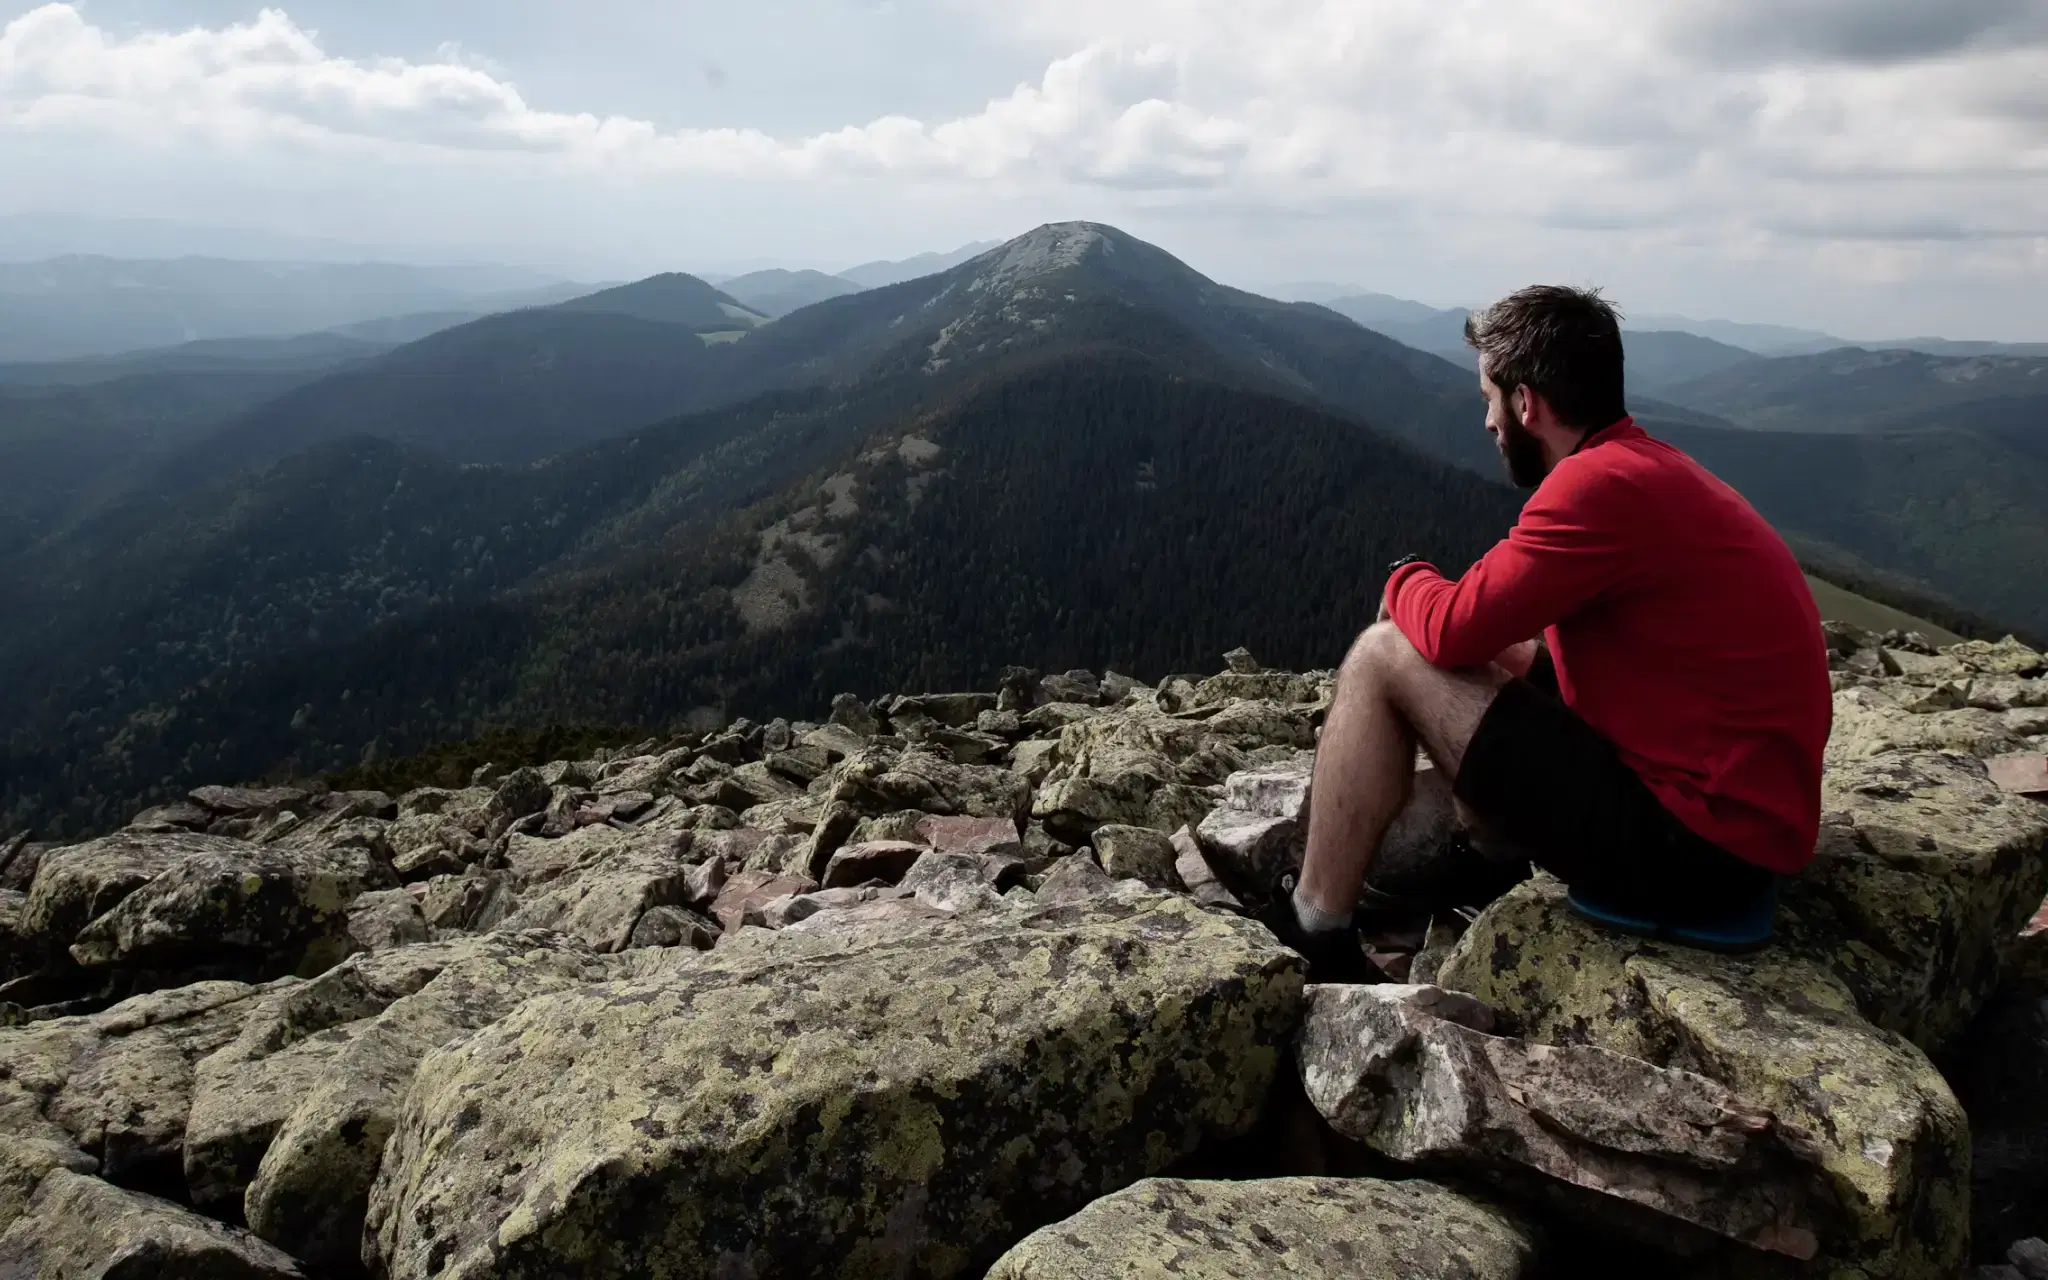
(670, 298)
(1040, 252)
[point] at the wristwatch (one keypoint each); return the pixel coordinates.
(1403, 560)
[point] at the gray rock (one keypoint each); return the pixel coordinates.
(180, 815)
(954, 710)
(386, 918)
(475, 902)
(1115, 687)
(851, 714)
(523, 791)
(18, 862)
(18, 954)
(703, 881)
(1074, 879)
(1199, 877)
(601, 901)
(1074, 808)
(884, 860)
(901, 1105)
(252, 910)
(675, 927)
(1072, 686)
(117, 1085)
(1249, 851)
(2030, 1256)
(79, 1226)
(1241, 661)
(25, 1161)
(1411, 1072)
(1274, 791)
(1138, 853)
(878, 780)
(234, 802)
(1311, 1228)
(952, 882)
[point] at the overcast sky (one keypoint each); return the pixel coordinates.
(1872, 167)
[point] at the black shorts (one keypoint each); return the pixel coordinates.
(1545, 782)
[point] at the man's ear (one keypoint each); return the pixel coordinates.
(1526, 413)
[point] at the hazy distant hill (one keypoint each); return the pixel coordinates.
(778, 292)
(876, 275)
(85, 306)
(1852, 389)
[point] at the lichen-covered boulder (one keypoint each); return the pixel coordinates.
(1138, 853)
(253, 911)
(117, 1085)
(1312, 1228)
(26, 1159)
(1924, 873)
(243, 1092)
(17, 952)
(386, 918)
(899, 1102)
(1780, 1028)
(310, 1187)
(77, 1227)
(76, 884)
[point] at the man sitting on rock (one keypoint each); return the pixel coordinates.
(1660, 749)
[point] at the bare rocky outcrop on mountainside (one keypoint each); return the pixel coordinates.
(968, 982)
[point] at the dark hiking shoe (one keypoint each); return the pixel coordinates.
(1333, 957)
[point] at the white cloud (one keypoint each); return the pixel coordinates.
(1890, 131)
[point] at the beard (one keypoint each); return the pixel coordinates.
(1522, 454)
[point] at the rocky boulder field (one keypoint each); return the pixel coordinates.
(971, 984)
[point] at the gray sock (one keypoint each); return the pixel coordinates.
(1314, 919)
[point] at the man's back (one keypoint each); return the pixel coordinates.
(1682, 630)
(1703, 659)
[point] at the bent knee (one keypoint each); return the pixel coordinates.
(1380, 647)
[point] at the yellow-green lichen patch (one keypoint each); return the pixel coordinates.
(1313, 1228)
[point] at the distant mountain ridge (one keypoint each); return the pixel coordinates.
(1071, 449)
(776, 292)
(880, 275)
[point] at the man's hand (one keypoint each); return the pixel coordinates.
(1517, 660)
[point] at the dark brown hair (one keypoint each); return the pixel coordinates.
(1564, 343)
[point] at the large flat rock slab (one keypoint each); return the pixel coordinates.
(1412, 1072)
(1311, 1228)
(905, 1101)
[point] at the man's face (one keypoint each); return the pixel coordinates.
(1520, 452)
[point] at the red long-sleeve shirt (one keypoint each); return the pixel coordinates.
(1681, 627)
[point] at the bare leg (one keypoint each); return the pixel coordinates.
(1387, 698)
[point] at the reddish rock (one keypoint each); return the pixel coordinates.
(751, 890)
